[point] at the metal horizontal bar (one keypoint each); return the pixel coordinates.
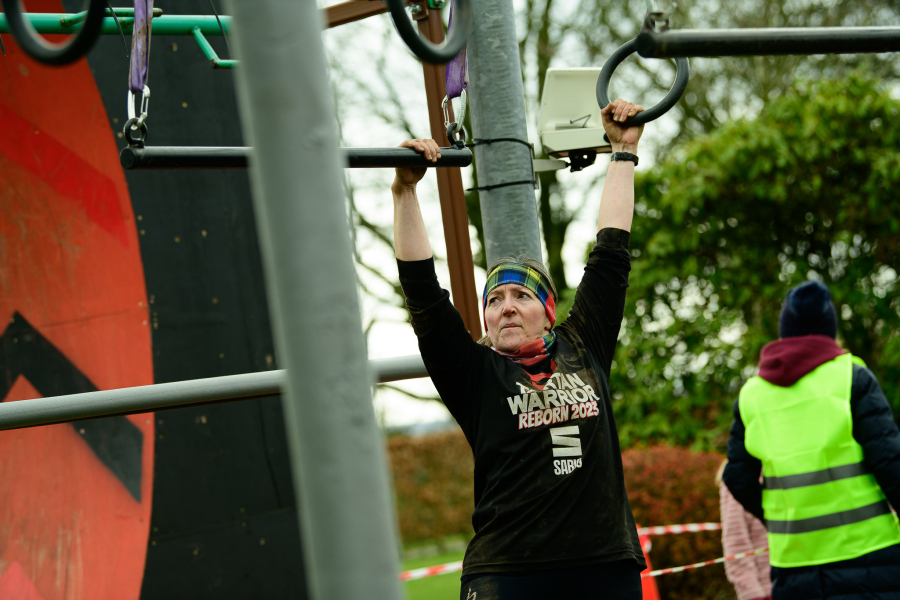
(235, 157)
(119, 12)
(769, 41)
(374, 158)
(184, 157)
(164, 25)
(338, 14)
(162, 396)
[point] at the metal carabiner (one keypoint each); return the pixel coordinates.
(458, 124)
(137, 122)
(463, 103)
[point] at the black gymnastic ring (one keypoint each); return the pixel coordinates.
(41, 50)
(425, 50)
(682, 74)
(460, 142)
(128, 130)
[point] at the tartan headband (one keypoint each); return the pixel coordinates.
(526, 277)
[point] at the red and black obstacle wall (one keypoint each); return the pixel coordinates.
(111, 279)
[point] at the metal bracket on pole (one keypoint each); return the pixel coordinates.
(418, 9)
(542, 165)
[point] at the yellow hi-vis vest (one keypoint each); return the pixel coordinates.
(821, 504)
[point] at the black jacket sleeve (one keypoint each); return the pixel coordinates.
(600, 299)
(875, 430)
(451, 357)
(743, 470)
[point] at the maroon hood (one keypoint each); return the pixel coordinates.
(783, 362)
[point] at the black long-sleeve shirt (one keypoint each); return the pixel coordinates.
(873, 428)
(549, 483)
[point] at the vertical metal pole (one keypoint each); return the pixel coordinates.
(337, 454)
(450, 187)
(497, 99)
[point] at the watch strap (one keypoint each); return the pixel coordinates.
(625, 156)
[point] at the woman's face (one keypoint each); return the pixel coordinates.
(514, 316)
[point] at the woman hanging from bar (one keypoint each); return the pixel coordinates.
(552, 519)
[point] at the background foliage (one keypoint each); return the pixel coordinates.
(733, 220)
(433, 482)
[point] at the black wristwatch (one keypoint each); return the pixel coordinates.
(624, 156)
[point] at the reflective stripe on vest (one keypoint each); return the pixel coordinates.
(815, 477)
(846, 517)
(821, 504)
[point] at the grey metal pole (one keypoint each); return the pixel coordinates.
(347, 519)
(497, 98)
(178, 394)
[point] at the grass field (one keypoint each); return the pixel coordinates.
(439, 587)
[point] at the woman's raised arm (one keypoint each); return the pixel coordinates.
(410, 238)
(617, 201)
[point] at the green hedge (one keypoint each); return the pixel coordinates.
(670, 486)
(433, 482)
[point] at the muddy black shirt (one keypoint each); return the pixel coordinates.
(549, 485)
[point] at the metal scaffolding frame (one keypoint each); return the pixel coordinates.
(178, 394)
(337, 454)
(345, 506)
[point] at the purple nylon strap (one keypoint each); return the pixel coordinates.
(140, 45)
(457, 70)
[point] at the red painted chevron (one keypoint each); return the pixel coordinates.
(70, 176)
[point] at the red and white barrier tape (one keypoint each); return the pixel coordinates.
(454, 567)
(689, 528)
(431, 571)
(703, 564)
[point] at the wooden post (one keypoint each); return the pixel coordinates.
(450, 187)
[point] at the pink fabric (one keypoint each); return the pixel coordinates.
(742, 532)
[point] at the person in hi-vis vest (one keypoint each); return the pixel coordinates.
(818, 425)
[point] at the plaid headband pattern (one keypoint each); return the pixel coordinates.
(526, 277)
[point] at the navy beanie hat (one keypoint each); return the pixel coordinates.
(808, 310)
